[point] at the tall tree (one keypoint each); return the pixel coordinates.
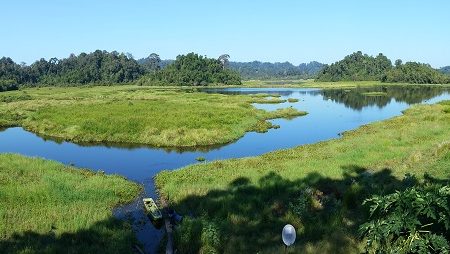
(154, 62)
(224, 60)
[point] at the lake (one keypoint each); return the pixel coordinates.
(330, 112)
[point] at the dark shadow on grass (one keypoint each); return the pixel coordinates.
(108, 236)
(249, 217)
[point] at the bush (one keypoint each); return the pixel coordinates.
(8, 85)
(416, 220)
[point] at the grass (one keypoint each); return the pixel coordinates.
(292, 100)
(241, 205)
(164, 117)
(47, 207)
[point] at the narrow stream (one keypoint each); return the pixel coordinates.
(331, 112)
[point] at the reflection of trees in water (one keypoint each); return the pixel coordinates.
(357, 99)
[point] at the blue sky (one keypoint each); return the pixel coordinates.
(296, 31)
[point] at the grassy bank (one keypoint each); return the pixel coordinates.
(130, 114)
(47, 207)
(241, 205)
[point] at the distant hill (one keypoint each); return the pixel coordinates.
(264, 70)
(445, 70)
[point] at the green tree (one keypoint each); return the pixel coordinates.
(224, 60)
(417, 73)
(154, 62)
(356, 67)
(192, 70)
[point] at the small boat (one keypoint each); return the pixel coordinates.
(152, 209)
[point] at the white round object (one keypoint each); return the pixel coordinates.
(288, 235)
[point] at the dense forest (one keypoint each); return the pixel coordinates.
(356, 67)
(191, 69)
(360, 67)
(97, 67)
(262, 70)
(416, 73)
(102, 67)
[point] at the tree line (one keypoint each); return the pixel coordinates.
(97, 67)
(190, 70)
(103, 67)
(362, 67)
(260, 70)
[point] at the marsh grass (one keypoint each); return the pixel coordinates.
(317, 188)
(47, 207)
(169, 117)
(292, 100)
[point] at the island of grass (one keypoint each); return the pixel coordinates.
(241, 205)
(47, 207)
(168, 117)
(292, 100)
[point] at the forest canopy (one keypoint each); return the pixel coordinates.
(97, 67)
(193, 70)
(362, 67)
(416, 73)
(108, 68)
(102, 67)
(356, 67)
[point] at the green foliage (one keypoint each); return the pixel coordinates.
(8, 85)
(356, 67)
(416, 73)
(97, 67)
(9, 70)
(192, 70)
(359, 67)
(416, 220)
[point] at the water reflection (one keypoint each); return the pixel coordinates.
(381, 96)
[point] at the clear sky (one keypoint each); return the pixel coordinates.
(278, 30)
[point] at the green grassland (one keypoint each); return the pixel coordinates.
(47, 207)
(131, 114)
(241, 205)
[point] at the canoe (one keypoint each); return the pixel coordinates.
(152, 209)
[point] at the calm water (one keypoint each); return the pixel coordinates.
(330, 113)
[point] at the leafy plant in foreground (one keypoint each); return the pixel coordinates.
(416, 220)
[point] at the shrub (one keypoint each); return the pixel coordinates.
(416, 220)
